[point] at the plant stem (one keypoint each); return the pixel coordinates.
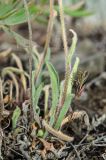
(67, 67)
(49, 33)
(30, 58)
(64, 37)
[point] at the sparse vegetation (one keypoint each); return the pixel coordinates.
(33, 113)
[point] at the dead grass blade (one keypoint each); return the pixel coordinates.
(12, 75)
(19, 64)
(77, 115)
(15, 70)
(6, 53)
(56, 133)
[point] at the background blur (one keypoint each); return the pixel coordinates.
(87, 18)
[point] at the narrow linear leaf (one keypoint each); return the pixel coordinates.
(75, 13)
(63, 111)
(72, 48)
(20, 16)
(46, 91)
(4, 9)
(15, 70)
(23, 42)
(15, 117)
(55, 90)
(55, 86)
(69, 96)
(36, 93)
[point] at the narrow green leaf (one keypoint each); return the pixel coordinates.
(72, 48)
(15, 117)
(63, 111)
(75, 13)
(55, 89)
(15, 70)
(20, 16)
(4, 9)
(69, 95)
(47, 58)
(36, 93)
(23, 42)
(46, 91)
(20, 40)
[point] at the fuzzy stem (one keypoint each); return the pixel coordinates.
(64, 37)
(30, 57)
(67, 67)
(49, 33)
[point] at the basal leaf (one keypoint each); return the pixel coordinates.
(36, 93)
(15, 117)
(63, 111)
(55, 89)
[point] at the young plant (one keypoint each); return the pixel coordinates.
(61, 93)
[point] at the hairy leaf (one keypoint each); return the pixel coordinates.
(5, 9)
(15, 117)
(36, 93)
(69, 95)
(72, 75)
(75, 13)
(20, 16)
(63, 111)
(72, 48)
(55, 89)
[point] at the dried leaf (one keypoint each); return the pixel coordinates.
(19, 64)
(56, 133)
(77, 115)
